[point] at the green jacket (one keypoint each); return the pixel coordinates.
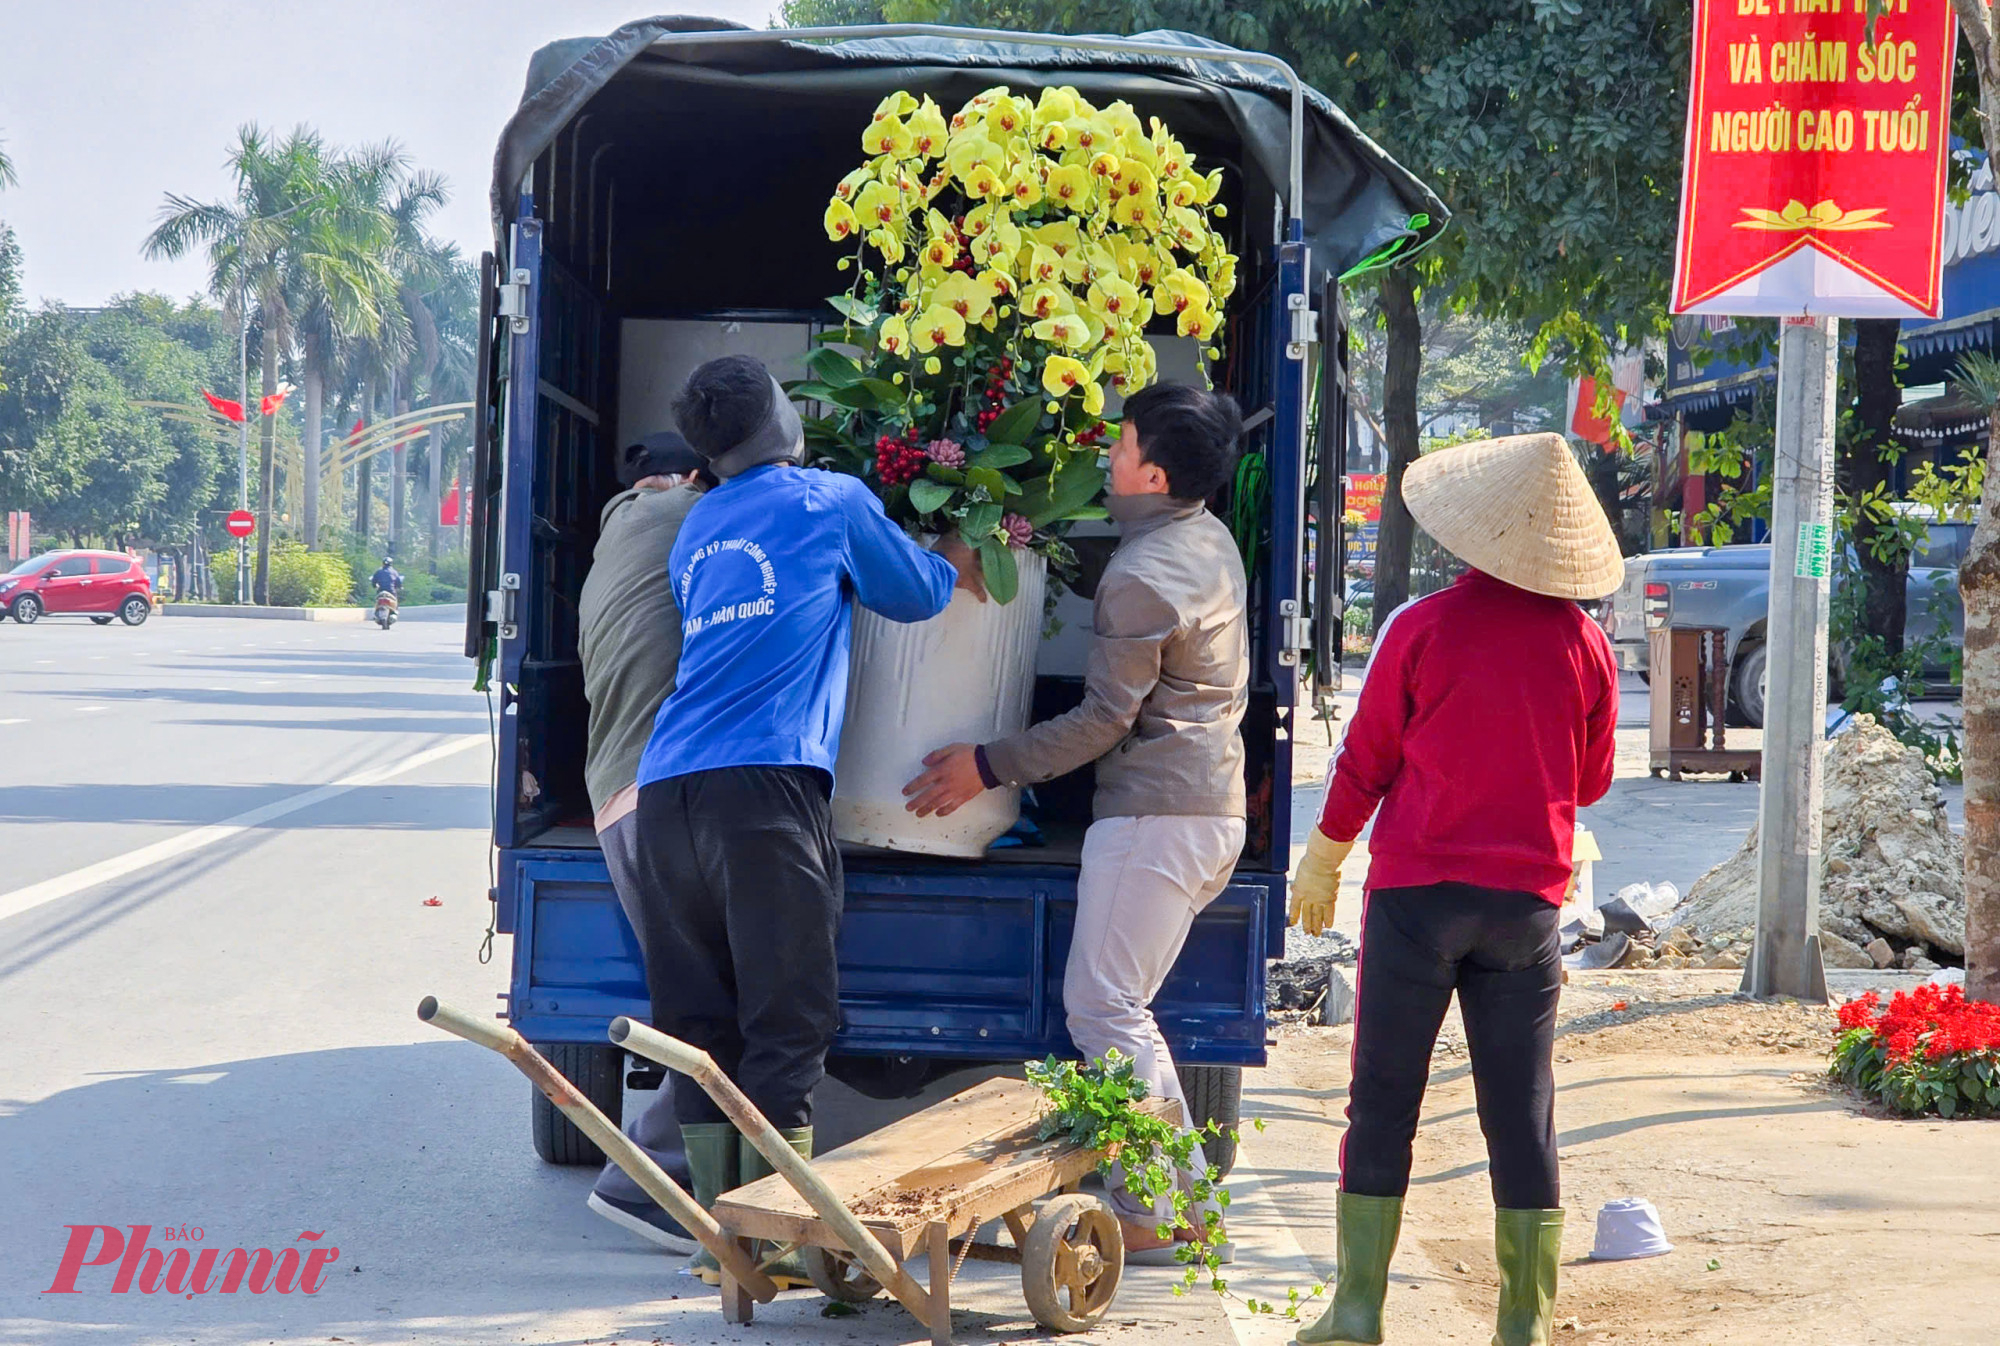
(630, 632)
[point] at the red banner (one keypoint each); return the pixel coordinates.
(1364, 495)
(1815, 171)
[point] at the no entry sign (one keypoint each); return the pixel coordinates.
(1814, 180)
(240, 523)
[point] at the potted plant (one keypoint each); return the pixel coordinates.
(1009, 261)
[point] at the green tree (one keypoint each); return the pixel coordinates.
(7, 177)
(1552, 129)
(291, 228)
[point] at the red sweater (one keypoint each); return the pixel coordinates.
(1485, 721)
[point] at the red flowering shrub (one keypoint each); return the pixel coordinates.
(1931, 1050)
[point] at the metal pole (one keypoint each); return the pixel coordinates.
(1786, 958)
(243, 443)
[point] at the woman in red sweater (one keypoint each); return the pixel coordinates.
(1485, 721)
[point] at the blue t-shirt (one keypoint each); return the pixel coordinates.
(765, 569)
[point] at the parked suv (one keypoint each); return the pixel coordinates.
(1730, 587)
(99, 585)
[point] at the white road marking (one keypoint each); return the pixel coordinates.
(1269, 1260)
(118, 866)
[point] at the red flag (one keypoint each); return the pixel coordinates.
(223, 407)
(359, 426)
(449, 507)
(1584, 421)
(275, 400)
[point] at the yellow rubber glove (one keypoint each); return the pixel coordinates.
(1316, 887)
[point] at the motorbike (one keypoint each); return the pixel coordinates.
(385, 609)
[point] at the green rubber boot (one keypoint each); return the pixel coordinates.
(711, 1156)
(1367, 1238)
(788, 1271)
(1528, 1244)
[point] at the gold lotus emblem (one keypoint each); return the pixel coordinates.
(1826, 216)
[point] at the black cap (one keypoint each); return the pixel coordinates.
(664, 454)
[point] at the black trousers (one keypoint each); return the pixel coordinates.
(1500, 952)
(741, 883)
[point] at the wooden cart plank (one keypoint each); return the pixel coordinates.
(958, 1163)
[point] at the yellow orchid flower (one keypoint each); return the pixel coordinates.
(895, 336)
(1024, 188)
(1062, 375)
(1222, 277)
(1116, 297)
(1090, 134)
(1046, 301)
(983, 180)
(898, 104)
(1044, 266)
(927, 131)
(941, 243)
(997, 283)
(1007, 115)
(1211, 186)
(1123, 121)
(1187, 228)
(1136, 179)
(1105, 166)
(888, 242)
(1131, 367)
(1199, 323)
(840, 221)
(1053, 137)
(1185, 191)
(1099, 262)
(1138, 212)
(1179, 291)
(979, 219)
(1065, 329)
(880, 206)
(1056, 105)
(888, 136)
(999, 244)
(853, 183)
(965, 295)
(939, 326)
(1138, 262)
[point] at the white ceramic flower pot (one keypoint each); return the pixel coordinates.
(965, 676)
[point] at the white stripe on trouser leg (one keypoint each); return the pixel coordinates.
(1143, 882)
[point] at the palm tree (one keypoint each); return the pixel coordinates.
(290, 232)
(7, 178)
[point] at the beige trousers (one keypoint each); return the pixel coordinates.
(1144, 881)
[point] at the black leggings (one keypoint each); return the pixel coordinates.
(1500, 952)
(740, 881)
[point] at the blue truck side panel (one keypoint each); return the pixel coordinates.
(961, 963)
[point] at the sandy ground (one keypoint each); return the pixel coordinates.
(1797, 1215)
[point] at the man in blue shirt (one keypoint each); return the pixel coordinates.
(740, 873)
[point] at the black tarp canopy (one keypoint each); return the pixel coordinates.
(668, 112)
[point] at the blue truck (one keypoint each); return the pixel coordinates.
(657, 202)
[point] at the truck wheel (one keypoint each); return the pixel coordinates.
(1748, 680)
(599, 1075)
(1215, 1094)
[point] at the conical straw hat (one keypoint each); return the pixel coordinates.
(1519, 509)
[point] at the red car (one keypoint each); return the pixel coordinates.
(99, 585)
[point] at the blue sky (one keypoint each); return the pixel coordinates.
(107, 105)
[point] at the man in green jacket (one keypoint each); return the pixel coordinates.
(1164, 695)
(629, 640)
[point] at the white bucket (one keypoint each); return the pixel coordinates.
(965, 676)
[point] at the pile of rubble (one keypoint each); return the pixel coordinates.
(1683, 946)
(1892, 890)
(1314, 983)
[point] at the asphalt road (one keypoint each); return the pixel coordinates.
(218, 839)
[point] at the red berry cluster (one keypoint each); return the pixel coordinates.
(1094, 434)
(996, 392)
(899, 460)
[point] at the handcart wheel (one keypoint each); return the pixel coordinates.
(839, 1277)
(1075, 1252)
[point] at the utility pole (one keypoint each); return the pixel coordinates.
(243, 443)
(1785, 960)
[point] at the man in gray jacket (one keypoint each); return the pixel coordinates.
(629, 640)
(1164, 695)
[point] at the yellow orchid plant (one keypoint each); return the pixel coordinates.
(1010, 261)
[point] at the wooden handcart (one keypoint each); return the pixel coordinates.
(922, 1186)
